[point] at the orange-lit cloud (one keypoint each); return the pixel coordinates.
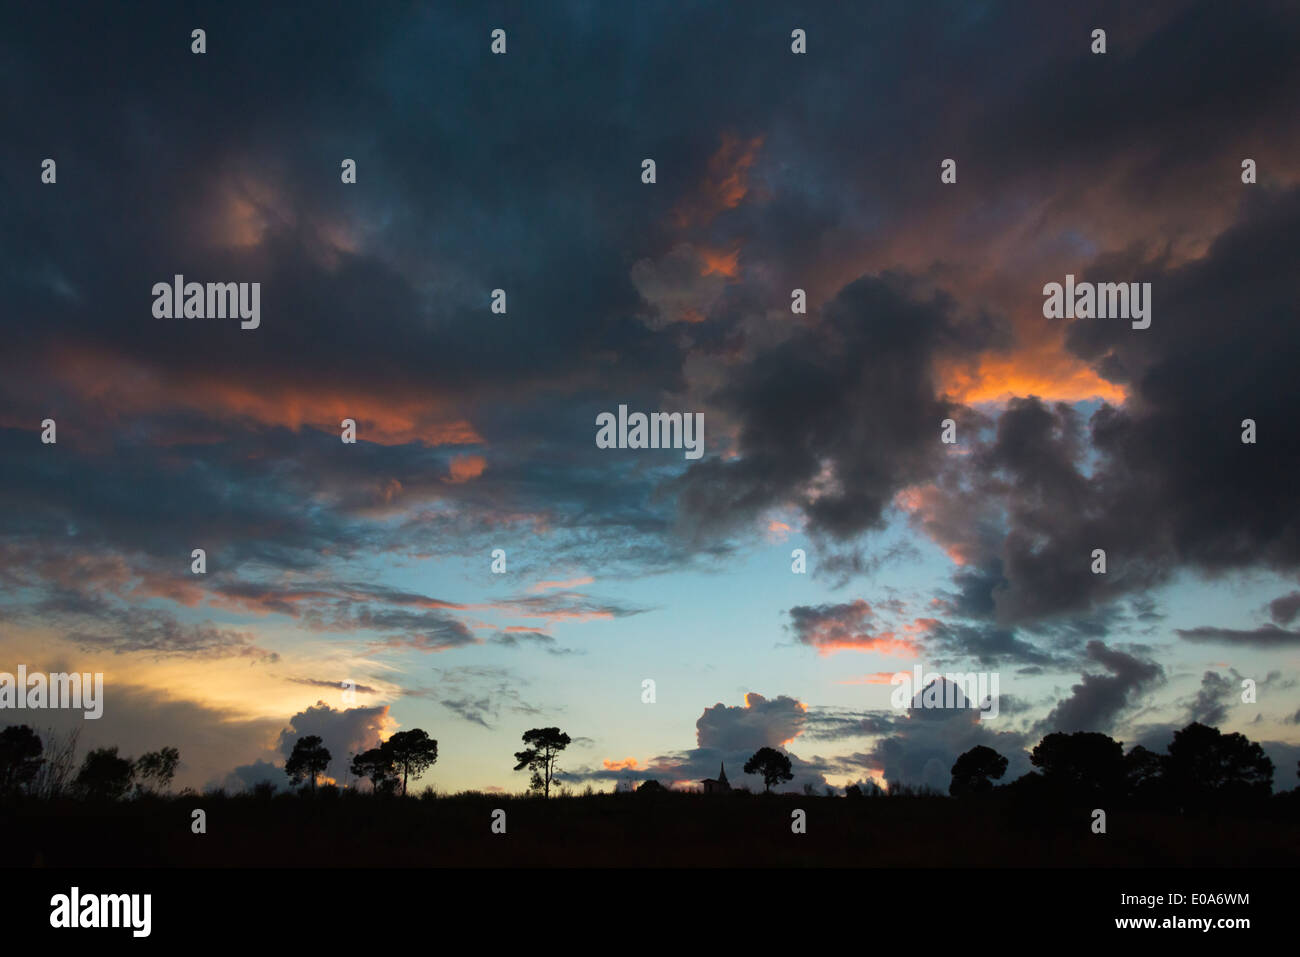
(118, 386)
(851, 627)
(886, 643)
(777, 531)
(723, 262)
(463, 468)
(1045, 370)
(627, 764)
(570, 583)
(726, 184)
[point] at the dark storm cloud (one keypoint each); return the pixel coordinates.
(1163, 482)
(1175, 450)
(376, 320)
(477, 172)
(1175, 74)
(1283, 610)
(1099, 700)
(838, 418)
(137, 498)
(1055, 515)
(367, 306)
(975, 586)
(989, 645)
(1210, 704)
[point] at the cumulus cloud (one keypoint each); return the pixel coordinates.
(923, 744)
(345, 733)
(1098, 700)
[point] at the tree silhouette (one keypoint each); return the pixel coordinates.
(975, 771)
(651, 786)
(772, 764)
(157, 768)
(413, 752)
(547, 743)
(1082, 763)
(377, 765)
(309, 760)
(20, 757)
(1205, 765)
(104, 776)
(1144, 776)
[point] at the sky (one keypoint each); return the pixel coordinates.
(371, 563)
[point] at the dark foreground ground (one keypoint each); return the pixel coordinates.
(630, 830)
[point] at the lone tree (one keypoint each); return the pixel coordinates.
(413, 752)
(155, 769)
(104, 776)
(377, 765)
(546, 745)
(976, 770)
(772, 764)
(309, 760)
(20, 757)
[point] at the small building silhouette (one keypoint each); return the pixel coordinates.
(719, 784)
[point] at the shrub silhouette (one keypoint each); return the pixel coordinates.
(154, 770)
(104, 776)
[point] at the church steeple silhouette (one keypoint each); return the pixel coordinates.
(719, 784)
